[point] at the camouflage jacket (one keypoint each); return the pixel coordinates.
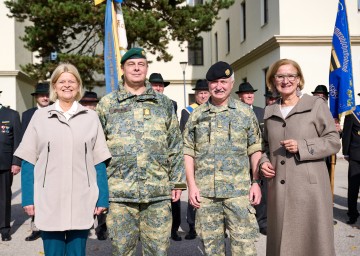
(144, 138)
(220, 139)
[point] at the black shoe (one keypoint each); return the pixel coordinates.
(263, 231)
(175, 236)
(101, 236)
(191, 235)
(352, 221)
(34, 235)
(5, 237)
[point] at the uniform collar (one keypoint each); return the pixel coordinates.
(149, 93)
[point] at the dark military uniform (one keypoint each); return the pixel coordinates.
(351, 148)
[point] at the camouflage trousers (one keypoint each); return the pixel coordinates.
(240, 221)
(149, 222)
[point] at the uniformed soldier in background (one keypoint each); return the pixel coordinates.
(219, 138)
(147, 168)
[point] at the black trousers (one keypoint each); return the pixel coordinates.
(261, 209)
(353, 187)
(176, 215)
(6, 179)
(101, 227)
(190, 215)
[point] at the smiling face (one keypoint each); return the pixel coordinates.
(220, 90)
(67, 87)
(135, 71)
(286, 80)
(247, 97)
(201, 96)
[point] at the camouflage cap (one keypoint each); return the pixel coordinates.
(133, 53)
(219, 70)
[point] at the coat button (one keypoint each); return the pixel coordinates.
(284, 124)
(282, 162)
(282, 181)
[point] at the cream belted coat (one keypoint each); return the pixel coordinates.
(300, 212)
(64, 154)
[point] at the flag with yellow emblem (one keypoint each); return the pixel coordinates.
(341, 88)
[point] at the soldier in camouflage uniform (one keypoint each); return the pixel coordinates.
(219, 138)
(146, 170)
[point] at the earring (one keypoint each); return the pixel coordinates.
(298, 91)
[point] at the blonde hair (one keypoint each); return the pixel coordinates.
(274, 68)
(65, 68)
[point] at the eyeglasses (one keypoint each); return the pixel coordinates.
(290, 77)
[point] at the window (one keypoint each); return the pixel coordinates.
(265, 12)
(243, 16)
(358, 5)
(216, 48)
(228, 34)
(196, 52)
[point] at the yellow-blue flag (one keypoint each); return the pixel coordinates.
(341, 88)
(113, 47)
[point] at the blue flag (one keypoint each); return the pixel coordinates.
(112, 54)
(341, 88)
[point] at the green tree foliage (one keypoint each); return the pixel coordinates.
(75, 29)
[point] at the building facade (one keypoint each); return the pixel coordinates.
(250, 35)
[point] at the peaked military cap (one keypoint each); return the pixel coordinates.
(157, 78)
(201, 85)
(321, 89)
(41, 88)
(246, 87)
(219, 70)
(89, 97)
(133, 53)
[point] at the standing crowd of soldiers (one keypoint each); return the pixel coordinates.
(248, 170)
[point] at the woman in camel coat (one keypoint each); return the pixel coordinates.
(299, 133)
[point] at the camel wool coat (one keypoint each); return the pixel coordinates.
(64, 153)
(300, 214)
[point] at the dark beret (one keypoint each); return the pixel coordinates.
(219, 70)
(133, 53)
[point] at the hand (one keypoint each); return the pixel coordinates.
(15, 169)
(290, 145)
(30, 210)
(337, 125)
(194, 197)
(255, 194)
(100, 210)
(267, 170)
(175, 195)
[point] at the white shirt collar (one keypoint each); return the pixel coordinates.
(68, 113)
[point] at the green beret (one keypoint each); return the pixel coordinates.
(133, 53)
(219, 70)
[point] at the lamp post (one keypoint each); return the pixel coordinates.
(183, 67)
